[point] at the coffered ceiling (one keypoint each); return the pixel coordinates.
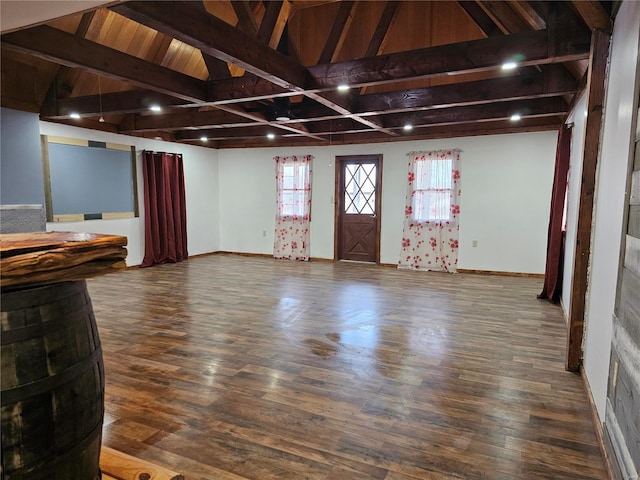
(228, 74)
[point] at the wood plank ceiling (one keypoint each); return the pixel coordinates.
(234, 72)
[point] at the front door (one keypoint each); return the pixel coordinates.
(358, 202)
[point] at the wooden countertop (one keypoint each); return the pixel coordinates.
(47, 257)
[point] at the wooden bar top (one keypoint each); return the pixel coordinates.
(47, 257)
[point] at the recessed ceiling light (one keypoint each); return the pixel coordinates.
(408, 127)
(155, 108)
(509, 65)
(75, 115)
(515, 117)
(343, 87)
(203, 139)
(271, 136)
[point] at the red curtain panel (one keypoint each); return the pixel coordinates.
(555, 237)
(165, 236)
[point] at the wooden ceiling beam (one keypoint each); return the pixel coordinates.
(184, 119)
(217, 68)
(494, 127)
(216, 38)
(532, 48)
(299, 129)
(56, 87)
(246, 21)
(54, 45)
(593, 14)
(381, 33)
(269, 21)
(553, 82)
(529, 15)
(540, 107)
(503, 16)
(339, 29)
(131, 101)
(480, 18)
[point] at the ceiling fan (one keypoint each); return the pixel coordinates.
(279, 109)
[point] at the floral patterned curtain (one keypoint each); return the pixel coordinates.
(293, 180)
(432, 210)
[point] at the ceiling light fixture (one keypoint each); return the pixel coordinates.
(509, 65)
(408, 127)
(203, 139)
(75, 115)
(155, 108)
(515, 117)
(283, 118)
(343, 87)
(271, 136)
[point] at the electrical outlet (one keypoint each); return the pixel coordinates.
(474, 243)
(264, 233)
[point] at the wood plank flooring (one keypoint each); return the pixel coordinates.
(229, 367)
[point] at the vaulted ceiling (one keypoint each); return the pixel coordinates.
(256, 73)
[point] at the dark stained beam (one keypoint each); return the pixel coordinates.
(480, 18)
(59, 85)
(221, 134)
(260, 119)
(216, 38)
(529, 14)
(541, 107)
(381, 32)
(217, 68)
(465, 57)
(184, 119)
(60, 47)
(504, 16)
(433, 132)
(131, 101)
(245, 88)
(555, 81)
(593, 14)
(339, 28)
(595, 108)
(269, 20)
(246, 21)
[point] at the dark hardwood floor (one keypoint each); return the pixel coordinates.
(229, 367)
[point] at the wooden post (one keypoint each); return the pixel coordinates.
(595, 102)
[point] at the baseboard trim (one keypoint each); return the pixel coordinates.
(504, 274)
(243, 254)
(387, 265)
(598, 427)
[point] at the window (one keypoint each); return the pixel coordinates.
(432, 189)
(360, 189)
(294, 187)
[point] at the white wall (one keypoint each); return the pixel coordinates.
(201, 185)
(506, 189)
(609, 200)
(573, 198)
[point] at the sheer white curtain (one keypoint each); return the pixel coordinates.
(432, 209)
(293, 183)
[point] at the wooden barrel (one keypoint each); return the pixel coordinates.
(52, 384)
